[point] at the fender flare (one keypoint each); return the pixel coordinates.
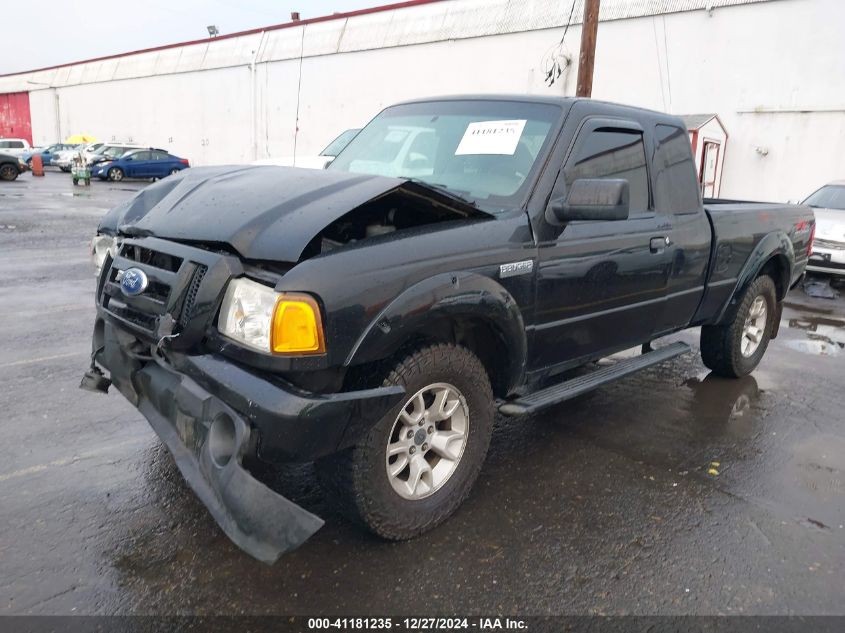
(775, 244)
(447, 297)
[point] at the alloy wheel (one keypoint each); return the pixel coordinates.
(427, 441)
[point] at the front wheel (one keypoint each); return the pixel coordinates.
(8, 172)
(115, 174)
(734, 349)
(417, 464)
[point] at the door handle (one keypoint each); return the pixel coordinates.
(659, 244)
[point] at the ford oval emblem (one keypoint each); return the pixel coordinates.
(133, 282)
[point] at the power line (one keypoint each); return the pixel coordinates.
(556, 69)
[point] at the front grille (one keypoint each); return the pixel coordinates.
(136, 317)
(174, 284)
(143, 255)
(191, 295)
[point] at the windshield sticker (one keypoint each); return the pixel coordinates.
(491, 137)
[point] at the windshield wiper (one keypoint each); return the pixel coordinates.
(441, 189)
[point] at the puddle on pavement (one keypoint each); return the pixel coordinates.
(725, 401)
(825, 336)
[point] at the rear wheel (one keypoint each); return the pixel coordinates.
(115, 174)
(173, 172)
(734, 349)
(8, 172)
(419, 462)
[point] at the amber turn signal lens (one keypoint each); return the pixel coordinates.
(297, 326)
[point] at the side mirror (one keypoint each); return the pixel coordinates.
(594, 199)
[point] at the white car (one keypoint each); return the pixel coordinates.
(64, 159)
(14, 146)
(828, 204)
(90, 150)
(321, 161)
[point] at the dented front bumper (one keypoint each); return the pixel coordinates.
(212, 415)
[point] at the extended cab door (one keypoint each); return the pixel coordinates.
(600, 284)
(677, 199)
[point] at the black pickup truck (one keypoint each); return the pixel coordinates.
(458, 258)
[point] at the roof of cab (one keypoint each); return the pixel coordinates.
(530, 98)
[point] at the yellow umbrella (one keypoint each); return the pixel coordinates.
(77, 139)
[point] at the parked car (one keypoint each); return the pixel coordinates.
(110, 151)
(11, 166)
(48, 153)
(375, 324)
(828, 204)
(144, 163)
(14, 146)
(64, 159)
(91, 149)
(314, 162)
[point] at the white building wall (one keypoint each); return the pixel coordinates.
(772, 70)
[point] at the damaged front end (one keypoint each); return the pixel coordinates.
(176, 247)
(215, 416)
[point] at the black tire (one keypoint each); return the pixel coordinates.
(173, 172)
(8, 172)
(115, 174)
(357, 480)
(721, 345)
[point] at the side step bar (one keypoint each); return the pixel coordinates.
(582, 384)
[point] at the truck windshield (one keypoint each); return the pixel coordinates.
(485, 151)
(828, 197)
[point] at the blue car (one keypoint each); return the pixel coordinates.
(48, 153)
(140, 163)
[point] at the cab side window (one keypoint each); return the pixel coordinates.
(612, 153)
(676, 187)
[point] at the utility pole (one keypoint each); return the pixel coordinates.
(587, 57)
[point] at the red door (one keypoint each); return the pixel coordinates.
(14, 116)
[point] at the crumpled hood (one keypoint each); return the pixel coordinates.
(264, 213)
(830, 224)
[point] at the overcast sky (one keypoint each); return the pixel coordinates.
(39, 33)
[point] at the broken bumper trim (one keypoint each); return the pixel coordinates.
(258, 520)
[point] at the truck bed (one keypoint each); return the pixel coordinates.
(740, 229)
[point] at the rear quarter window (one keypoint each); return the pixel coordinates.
(675, 184)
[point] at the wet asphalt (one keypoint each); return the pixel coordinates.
(603, 505)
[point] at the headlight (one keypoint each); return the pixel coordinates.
(102, 245)
(269, 321)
